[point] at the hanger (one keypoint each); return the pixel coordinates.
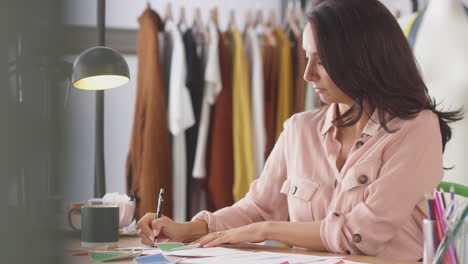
(288, 10)
(259, 22)
(169, 16)
(299, 11)
(232, 18)
(214, 16)
(249, 23)
(272, 18)
(148, 4)
(197, 22)
(258, 18)
(415, 6)
(182, 19)
(398, 13)
(290, 22)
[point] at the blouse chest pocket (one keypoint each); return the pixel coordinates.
(300, 192)
(362, 174)
(303, 189)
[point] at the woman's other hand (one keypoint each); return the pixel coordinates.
(249, 233)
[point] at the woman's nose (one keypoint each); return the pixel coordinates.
(310, 75)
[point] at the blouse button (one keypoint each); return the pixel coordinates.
(348, 252)
(357, 238)
(364, 135)
(363, 179)
(359, 144)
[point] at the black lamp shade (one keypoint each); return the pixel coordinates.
(100, 68)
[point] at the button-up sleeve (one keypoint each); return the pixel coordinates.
(263, 201)
(411, 166)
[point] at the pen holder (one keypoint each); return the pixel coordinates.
(461, 243)
(430, 245)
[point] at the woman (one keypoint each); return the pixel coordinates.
(352, 175)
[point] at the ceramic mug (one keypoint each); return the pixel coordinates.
(99, 225)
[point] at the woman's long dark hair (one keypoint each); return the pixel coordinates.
(365, 53)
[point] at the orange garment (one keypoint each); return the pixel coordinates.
(149, 158)
(270, 83)
(221, 160)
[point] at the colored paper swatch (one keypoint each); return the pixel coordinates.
(153, 259)
(175, 246)
(112, 255)
(169, 246)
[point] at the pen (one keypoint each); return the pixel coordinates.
(158, 209)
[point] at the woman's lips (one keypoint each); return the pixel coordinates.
(319, 90)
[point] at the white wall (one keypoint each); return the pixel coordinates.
(124, 13)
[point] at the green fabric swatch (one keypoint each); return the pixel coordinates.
(169, 246)
(112, 255)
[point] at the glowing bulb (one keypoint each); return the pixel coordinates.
(101, 82)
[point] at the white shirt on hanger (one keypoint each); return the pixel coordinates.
(181, 117)
(254, 57)
(213, 87)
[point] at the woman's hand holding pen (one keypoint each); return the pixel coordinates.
(249, 233)
(165, 229)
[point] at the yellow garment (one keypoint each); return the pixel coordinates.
(244, 171)
(284, 103)
(408, 26)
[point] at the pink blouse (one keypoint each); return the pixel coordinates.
(373, 206)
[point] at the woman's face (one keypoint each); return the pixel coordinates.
(315, 72)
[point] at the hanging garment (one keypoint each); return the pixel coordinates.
(194, 83)
(220, 154)
(181, 117)
(213, 87)
(198, 186)
(270, 76)
(254, 57)
(244, 172)
(284, 100)
(310, 97)
(300, 84)
(148, 165)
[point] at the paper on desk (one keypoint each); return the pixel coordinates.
(203, 252)
(263, 258)
(146, 250)
(342, 261)
(350, 262)
(142, 247)
(152, 251)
